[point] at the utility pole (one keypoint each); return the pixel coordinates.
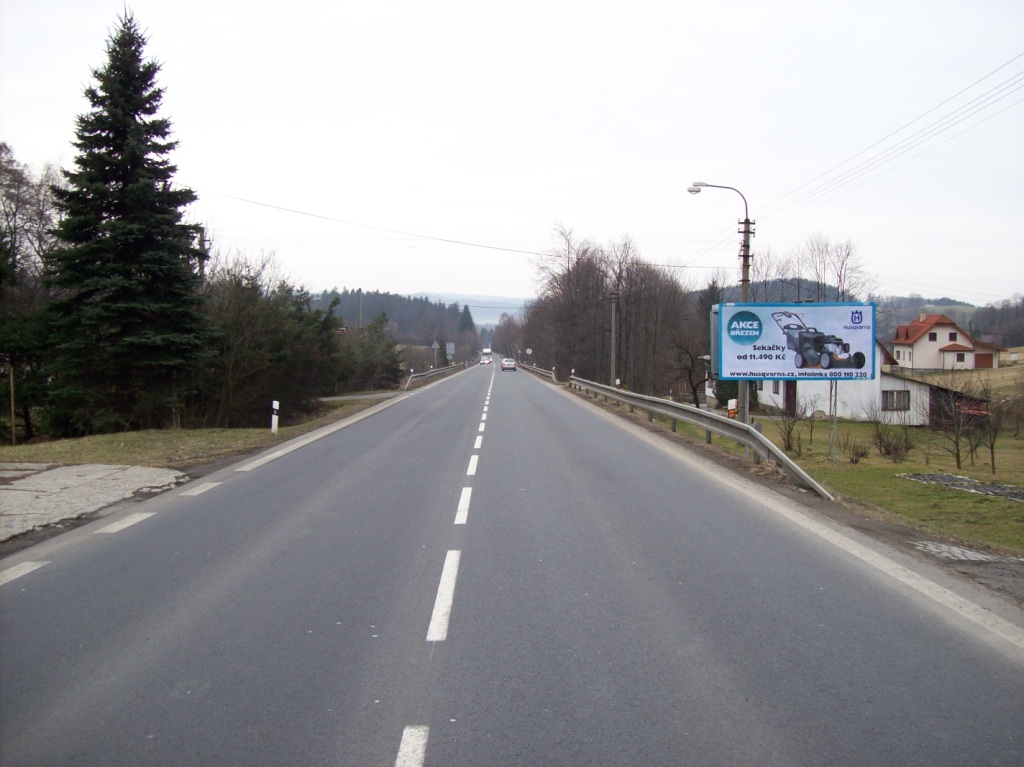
(747, 231)
(615, 302)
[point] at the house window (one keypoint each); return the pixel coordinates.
(961, 357)
(952, 336)
(896, 399)
(898, 354)
(775, 387)
(933, 336)
(910, 356)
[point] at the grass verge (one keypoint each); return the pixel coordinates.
(874, 488)
(173, 449)
(874, 483)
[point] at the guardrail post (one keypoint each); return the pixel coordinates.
(707, 436)
(673, 424)
(757, 428)
(650, 415)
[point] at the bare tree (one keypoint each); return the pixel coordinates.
(769, 275)
(998, 412)
(955, 410)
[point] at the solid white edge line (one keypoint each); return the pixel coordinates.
(200, 488)
(473, 459)
(413, 747)
(8, 575)
(940, 595)
(438, 630)
(319, 434)
(128, 521)
(463, 511)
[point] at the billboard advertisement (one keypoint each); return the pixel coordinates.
(796, 341)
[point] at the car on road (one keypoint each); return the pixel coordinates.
(486, 360)
(508, 364)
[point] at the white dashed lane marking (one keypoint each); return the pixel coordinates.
(472, 465)
(128, 521)
(17, 571)
(463, 510)
(413, 747)
(200, 488)
(438, 630)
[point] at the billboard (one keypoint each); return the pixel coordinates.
(796, 341)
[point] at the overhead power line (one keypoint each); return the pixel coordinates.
(833, 185)
(418, 236)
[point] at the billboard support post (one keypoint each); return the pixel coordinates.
(747, 231)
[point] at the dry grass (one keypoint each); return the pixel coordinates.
(172, 449)
(874, 483)
(1002, 382)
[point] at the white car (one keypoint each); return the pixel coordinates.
(508, 364)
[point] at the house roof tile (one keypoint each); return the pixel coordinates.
(910, 334)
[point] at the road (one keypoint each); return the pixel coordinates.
(490, 572)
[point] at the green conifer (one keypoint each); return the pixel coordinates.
(127, 328)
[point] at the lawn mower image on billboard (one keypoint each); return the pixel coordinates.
(814, 348)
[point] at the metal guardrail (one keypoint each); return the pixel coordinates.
(429, 373)
(740, 432)
(539, 371)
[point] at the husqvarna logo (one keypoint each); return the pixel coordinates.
(856, 317)
(744, 328)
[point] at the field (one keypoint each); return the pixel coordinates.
(874, 487)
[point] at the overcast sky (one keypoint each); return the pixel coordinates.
(308, 129)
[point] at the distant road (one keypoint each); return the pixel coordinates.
(489, 572)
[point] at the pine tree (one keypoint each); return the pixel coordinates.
(127, 330)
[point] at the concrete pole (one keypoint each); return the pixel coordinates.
(615, 302)
(746, 231)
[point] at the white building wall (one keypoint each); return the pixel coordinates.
(855, 400)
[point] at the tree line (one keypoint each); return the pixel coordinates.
(114, 314)
(599, 302)
(605, 314)
(416, 321)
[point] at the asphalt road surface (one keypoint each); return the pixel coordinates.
(490, 572)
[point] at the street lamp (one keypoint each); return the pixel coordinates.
(747, 231)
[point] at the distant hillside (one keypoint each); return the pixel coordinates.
(1001, 324)
(487, 310)
(416, 320)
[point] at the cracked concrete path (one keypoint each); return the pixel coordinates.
(34, 495)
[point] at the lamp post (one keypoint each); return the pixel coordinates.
(747, 231)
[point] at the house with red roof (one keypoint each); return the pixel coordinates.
(935, 342)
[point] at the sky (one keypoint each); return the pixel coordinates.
(434, 148)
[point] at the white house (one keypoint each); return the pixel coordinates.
(892, 397)
(935, 342)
